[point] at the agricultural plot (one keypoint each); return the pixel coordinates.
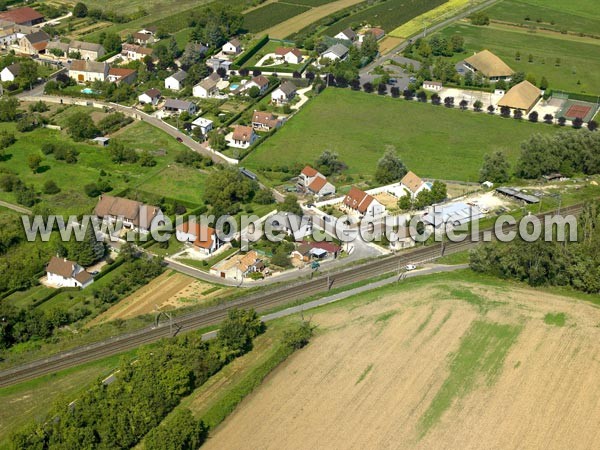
(432, 141)
(449, 361)
(415, 25)
(262, 18)
(387, 15)
(569, 63)
(576, 17)
(170, 290)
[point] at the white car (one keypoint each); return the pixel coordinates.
(410, 267)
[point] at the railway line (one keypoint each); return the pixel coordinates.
(261, 301)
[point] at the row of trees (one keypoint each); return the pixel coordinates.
(548, 263)
(120, 414)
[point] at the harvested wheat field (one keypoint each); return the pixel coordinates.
(451, 364)
(295, 24)
(170, 290)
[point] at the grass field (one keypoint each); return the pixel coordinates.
(416, 24)
(387, 15)
(579, 69)
(581, 16)
(269, 15)
(448, 361)
(176, 181)
(432, 141)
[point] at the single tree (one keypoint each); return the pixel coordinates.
(495, 168)
(33, 161)
(549, 119)
(592, 125)
(577, 123)
(533, 116)
(477, 105)
(463, 104)
(389, 168)
(491, 109)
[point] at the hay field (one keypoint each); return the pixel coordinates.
(170, 290)
(449, 364)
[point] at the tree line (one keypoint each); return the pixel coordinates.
(542, 263)
(119, 414)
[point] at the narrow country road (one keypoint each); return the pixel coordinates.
(17, 208)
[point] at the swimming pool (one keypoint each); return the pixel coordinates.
(233, 87)
(87, 91)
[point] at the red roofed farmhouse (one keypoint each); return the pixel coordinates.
(362, 203)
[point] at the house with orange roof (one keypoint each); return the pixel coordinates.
(413, 185)
(242, 137)
(364, 204)
(289, 54)
(314, 182)
(121, 75)
(202, 238)
(238, 266)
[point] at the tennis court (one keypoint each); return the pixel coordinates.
(573, 109)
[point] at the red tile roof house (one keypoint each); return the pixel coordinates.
(289, 55)
(121, 75)
(315, 182)
(204, 239)
(134, 215)
(23, 16)
(265, 121)
(61, 272)
(261, 82)
(362, 203)
(413, 185)
(242, 137)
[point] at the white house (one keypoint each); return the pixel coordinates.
(347, 35)
(218, 63)
(9, 73)
(208, 87)
(432, 85)
(335, 52)
(86, 71)
(64, 273)
(412, 184)
(133, 214)
(238, 266)
(284, 93)
(261, 82)
(175, 82)
(204, 239)
(233, 47)
(135, 52)
(151, 96)
(265, 121)
(289, 55)
(179, 106)
(205, 125)
(314, 182)
(242, 137)
(363, 203)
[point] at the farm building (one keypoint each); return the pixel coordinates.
(85, 71)
(455, 214)
(523, 96)
(489, 65)
(34, 43)
(517, 195)
(23, 16)
(61, 272)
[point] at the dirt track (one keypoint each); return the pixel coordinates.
(371, 374)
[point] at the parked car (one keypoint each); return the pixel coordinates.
(179, 139)
(410, 267)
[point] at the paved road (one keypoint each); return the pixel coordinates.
(429, 30)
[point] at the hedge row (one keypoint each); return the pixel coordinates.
(249, 53)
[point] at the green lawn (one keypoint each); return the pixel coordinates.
(177, 182)
(432, 141)
(579, 57)
(580, 16)
(270, 47)
(22, 299)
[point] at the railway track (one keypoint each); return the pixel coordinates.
(261, 301)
